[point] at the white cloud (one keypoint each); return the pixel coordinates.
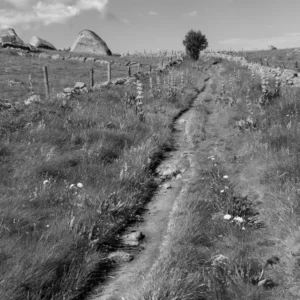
(153, 13)
(27, 12)
(288, 40)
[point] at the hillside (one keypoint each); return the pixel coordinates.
(183, 184)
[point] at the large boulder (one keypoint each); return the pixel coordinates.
(40, 43)
(9, 38)
(89, 42)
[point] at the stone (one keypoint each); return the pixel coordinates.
(68, 90)
(167, 173)
(131, 243)
(272, 47)
(9, 38)
(44, 55)
(178, 176)
(133, 238)
(84, 90)
(40, 43)
(120, 257)
(89, 42)
(100, 61)
(62, 96)
(119, 81)
(167, 186)
(33, 99)
(79, 85)
(57, 57)
(90, 59)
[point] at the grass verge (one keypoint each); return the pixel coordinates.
(73, 174)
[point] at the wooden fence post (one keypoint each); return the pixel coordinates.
(46, 80)
(129, 71)
(108, 72)
(139, 68)
(150, 69)
(92, 77)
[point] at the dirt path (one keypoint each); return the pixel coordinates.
(176, 171)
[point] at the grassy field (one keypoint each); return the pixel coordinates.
(15, 71)
(73, 174)
(282, 58)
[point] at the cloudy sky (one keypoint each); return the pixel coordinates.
(157, 24)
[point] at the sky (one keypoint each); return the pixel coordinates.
(129, 25)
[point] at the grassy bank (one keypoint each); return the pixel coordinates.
(235, 229)
(73, 174)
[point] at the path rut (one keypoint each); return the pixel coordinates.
(156, 219)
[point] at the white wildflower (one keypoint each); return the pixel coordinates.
(220, 260)
(227, 217)
(238, 219)
(45, 182)
(79, 185)
(225, 176)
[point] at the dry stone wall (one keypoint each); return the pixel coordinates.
(287, 77)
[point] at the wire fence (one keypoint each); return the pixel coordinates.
(23, 77)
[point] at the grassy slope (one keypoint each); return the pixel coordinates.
(262, 165)
(53, 236)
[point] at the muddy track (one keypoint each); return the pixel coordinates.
(175, 172)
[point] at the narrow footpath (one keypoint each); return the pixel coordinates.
(175, 173)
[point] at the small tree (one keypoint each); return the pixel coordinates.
(194, 42)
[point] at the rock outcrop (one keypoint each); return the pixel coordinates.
(272, 47)
(40, 43)
(9, 38)
(89, 42)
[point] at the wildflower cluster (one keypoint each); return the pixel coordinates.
(277, 82)
(139, 103)
(264, 88)
(236, 220)
(151, 92)
(124, 172)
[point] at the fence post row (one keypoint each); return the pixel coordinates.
(46, 80)
(92, 77)
(108, 72)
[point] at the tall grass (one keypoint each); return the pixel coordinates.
(73, 174)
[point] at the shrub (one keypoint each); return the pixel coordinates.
(194, 42)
